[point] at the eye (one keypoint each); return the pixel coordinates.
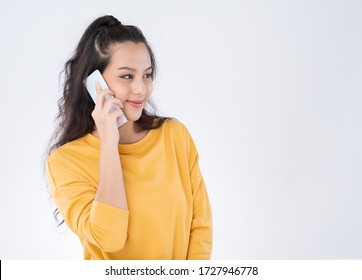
(147, 76)
(127, 77)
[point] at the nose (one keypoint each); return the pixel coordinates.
(138, 86)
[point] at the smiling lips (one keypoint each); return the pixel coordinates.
(135, 103)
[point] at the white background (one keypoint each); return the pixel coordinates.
(270, 90)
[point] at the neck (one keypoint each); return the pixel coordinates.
(128, 133)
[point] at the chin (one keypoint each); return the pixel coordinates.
(133, 117)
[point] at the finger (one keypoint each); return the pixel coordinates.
(118, 114)
(111, 103)
(101, 94)
(120, 104)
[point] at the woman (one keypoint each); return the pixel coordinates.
(129, 192)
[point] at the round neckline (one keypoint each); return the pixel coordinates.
(124, 148)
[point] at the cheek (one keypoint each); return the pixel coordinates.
(112, 82)
(120, 91)
(149, 89)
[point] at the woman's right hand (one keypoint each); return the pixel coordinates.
(110, 182)
(105, 118)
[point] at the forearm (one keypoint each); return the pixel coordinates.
(111, 186)
(200, 244)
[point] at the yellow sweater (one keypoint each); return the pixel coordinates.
(169, 214)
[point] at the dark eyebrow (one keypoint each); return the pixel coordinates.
(132, 69)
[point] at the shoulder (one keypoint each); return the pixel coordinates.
(71, 150)
(175, 127)
(177, 132)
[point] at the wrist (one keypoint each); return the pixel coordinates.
(109, 146)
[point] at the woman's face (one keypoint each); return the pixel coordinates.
(128, 75)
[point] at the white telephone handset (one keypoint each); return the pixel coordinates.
(90, 84)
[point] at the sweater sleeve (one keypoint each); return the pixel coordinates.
(200, 244)
(103, 225)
